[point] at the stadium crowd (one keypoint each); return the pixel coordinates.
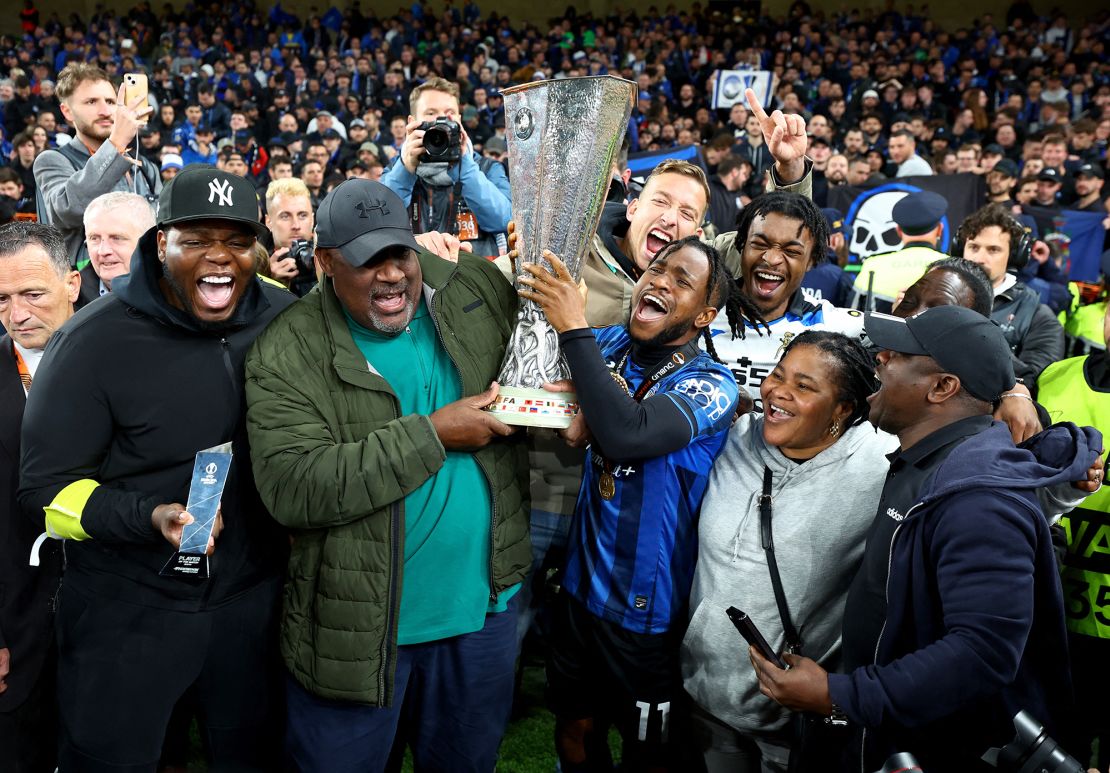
(292, 239)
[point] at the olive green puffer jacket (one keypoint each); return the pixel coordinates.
(333, 462)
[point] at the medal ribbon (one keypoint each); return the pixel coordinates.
(671, 363)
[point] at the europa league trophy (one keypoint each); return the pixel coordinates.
(562, 135)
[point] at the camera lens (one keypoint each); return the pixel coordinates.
(436, 141)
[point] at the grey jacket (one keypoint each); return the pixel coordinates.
(64, 194)
(822, 511)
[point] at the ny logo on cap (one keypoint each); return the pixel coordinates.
(365, 206)
(221, 188)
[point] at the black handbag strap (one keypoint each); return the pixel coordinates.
(793, 641)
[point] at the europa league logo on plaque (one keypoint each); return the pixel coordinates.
(563, 135)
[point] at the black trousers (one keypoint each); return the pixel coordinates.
(29, 733)
(1089, 658)
(122, 667)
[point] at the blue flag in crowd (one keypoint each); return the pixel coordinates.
(1078, 235)
(641, 164)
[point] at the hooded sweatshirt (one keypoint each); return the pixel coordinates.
(130, 390)
(975, 615)
(818, 546)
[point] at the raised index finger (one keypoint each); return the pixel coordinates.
(753, 103)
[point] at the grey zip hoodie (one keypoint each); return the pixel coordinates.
(821, 513)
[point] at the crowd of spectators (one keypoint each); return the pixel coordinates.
(297, 106)
(251, 86)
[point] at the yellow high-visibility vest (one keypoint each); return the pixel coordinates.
(1065, 393)
(894, 271)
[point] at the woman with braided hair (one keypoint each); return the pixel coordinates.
(823, 466)
(815, 447)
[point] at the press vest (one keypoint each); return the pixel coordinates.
(1065, 393)
(894, 271)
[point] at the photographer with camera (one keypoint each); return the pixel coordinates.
(445, 185)
(289, 218)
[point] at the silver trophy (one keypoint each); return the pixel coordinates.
(562, 137)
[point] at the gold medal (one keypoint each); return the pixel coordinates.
(606, 486)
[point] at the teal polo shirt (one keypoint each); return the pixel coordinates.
(446, 584)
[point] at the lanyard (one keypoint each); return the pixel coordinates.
(22, 369)
(671, 362)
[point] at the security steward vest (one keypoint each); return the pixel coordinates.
(1085, 326)
(894, 272)
(1065, 392)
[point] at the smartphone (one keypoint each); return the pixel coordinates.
(752, 636)
(135, 87)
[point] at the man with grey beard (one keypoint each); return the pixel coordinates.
(407, 500)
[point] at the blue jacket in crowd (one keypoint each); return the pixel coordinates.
(487, 194)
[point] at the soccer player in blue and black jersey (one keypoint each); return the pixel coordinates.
(656, 410)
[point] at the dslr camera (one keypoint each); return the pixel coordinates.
(442, 141)
(303, 252)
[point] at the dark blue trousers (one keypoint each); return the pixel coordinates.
(451, 704)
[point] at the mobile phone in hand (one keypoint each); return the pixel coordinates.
(135, 87)
(752, 636)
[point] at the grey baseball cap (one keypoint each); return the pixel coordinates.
(360, 218)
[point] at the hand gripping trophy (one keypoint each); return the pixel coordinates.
(562, 137)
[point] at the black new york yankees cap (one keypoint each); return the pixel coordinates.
(206, 193)
(361, 218)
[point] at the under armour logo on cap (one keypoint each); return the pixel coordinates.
(365, 206)
(221, 188)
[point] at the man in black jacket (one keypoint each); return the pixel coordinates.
(37, 290)
(132, 389)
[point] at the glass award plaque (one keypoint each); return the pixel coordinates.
(210, 469)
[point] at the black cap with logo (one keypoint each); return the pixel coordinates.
(361, 218)
(963, 342)
(1090, 170)
(1050, 175)
(206, 193)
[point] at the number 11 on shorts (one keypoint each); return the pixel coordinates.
(645, 716)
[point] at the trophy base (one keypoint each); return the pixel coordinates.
(186, 566)
(534, 407)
